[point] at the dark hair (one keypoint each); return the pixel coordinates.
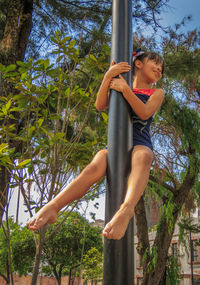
(151, 56)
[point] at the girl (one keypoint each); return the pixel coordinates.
(144, 101)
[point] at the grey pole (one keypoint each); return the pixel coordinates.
(118, 254)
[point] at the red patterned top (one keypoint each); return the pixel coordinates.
(147, 92)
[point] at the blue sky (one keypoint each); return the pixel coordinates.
(181, 8)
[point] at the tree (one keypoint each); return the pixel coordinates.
(13, 44)
(21, 246)
(58, 140)
(93, 269)
(71, 242)
(4, 267)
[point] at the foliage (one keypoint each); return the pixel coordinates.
(72, 241)
(54, 110)
(22, 245)
(152, 255)
(3, 253)
(186, 227)
(59, 129)
(173, 271)
(92, 261)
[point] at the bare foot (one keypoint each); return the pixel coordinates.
(116, 228)
(48, 214)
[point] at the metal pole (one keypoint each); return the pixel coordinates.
(118, 255)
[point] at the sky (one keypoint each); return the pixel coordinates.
(178, 9)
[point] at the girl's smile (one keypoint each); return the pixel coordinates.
(153, 68)
(158, 74)
(148, 72)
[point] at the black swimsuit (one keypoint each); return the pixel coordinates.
(141, 128)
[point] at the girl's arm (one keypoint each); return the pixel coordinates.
(102, 101)
(144, 111)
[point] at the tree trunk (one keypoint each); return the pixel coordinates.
(56, 274)
(16, 32)
(10, 257)
(8, 272)
(60, 275)
(162, 242)
(164, 280)
(156, 275)
(12, 48)
(142, 229)
(39, 248)
(59, 280)
(4, 182)
(5, 278)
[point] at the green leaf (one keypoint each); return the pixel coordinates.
(4, 99)
(2, 67)
(93, 57)
(105, 117)
(10, 67)
(40, 121)
(65, 39)
(59, 58)
(54, 40)
(46, 63)
(23, 164)
(11, 74)
(23, 76)
(57, 35)
(3, 146)
(71, 44)
(22, 64)
(22, 70)
(59, 136)
(4, 110)
(30, 131)
(8, 105)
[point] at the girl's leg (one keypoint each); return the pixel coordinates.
(92, 173)
(142, 157)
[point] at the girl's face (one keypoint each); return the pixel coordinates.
(150, 70)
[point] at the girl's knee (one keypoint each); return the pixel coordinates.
(103, 152)
(97, 166)
(144, 156)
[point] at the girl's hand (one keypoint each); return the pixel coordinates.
(118, 84)
(48, 214)
(117, 69)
